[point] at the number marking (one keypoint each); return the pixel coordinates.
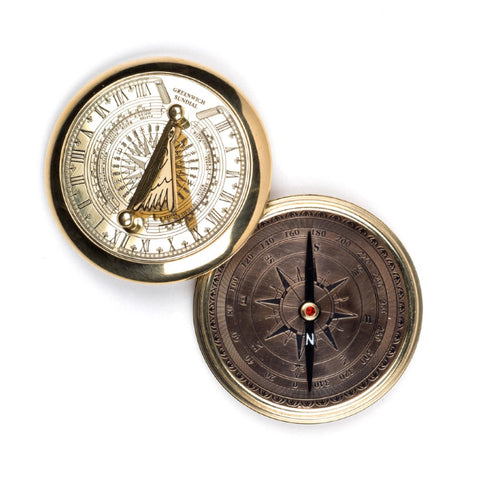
(195, 234)
(145, 245)
(87, 133)
(78, 155)
(77, 180)
(120, 97)
(222, 126)
(232, 174)
(102, 111)
(142, 90)
(214, 217)
(85, 203)
(226, 197)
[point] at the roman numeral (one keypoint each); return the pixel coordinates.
(232, 174)
(142, 90)
(85, 203)
(214, 217)
(87, 133)
(145, 245)
(120, 97)
(99, 223)
(226, 197)
(222, 126)
(125, 240)
(116, 237)
(102, 111)
(77, 180)
(78, 155)
(195, 234)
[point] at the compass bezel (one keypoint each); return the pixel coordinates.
(369, 395)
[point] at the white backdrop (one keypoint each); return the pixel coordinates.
(375, 102)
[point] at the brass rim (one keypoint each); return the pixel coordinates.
(236, 233)
(371, 394)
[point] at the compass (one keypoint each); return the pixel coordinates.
(316, 317)
(158, 170)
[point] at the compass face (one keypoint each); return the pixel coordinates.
(318, 358)
(137, 185)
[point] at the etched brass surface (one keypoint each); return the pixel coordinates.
(255, 325)
(158, 170)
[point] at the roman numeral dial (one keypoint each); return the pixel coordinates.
(174, 184)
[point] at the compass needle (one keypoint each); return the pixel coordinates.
(309, 310)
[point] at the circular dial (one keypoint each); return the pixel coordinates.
(316, 315)
(154, 164)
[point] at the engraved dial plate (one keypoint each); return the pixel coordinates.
(257, 330)
(216, 163)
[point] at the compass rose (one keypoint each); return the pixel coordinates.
(293, 312)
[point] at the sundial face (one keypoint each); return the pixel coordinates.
(156, 165)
